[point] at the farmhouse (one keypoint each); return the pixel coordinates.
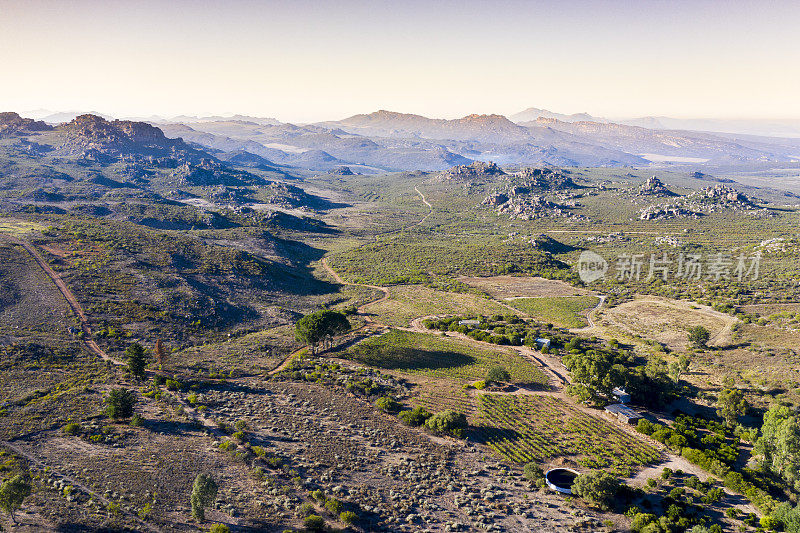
(623, 413)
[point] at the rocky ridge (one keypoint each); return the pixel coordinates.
(703, 202)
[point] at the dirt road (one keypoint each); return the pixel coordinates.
(87, 341)
(75, 483)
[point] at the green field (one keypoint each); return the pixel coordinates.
(563, 311)
(440, 357)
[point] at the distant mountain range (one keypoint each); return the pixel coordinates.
(390, 141)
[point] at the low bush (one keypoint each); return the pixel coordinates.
(71, 429)
(314, 523)
(415, 417)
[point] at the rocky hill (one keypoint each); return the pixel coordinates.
(93, 137)
(12, 125)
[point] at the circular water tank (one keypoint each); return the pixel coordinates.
(561, 479)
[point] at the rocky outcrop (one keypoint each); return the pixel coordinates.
(342, 171)
(544, 179)
(705, 201)
(12, 125)
(474, 171)
(654, 187)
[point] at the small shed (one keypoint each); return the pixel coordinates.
(470, 322)
(621, 395)
(543, 343)
(624, 413)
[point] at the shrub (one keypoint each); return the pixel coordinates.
(348, 517)
(597, 487)
(305, 510)
(448, 421)
(72, 428)
(387, 404)
(480, 385)
(645, 427)
(314, 523)
(498, 374)
(533, 472)
(13, 492)
(334, 506)
(137, 420)
(120, 403)
(415, 417)
(219, 528)
(319, 496)
(173, 385)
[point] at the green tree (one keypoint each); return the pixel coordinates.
(778, 448)
(699, 336)
(597, 487)
(730, 405)
(498, 374)
(136, 360)
(120, 403)
(12, 493)
(679, 367)
(204, 491)
(321, 327)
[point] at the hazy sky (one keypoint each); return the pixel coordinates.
(303, 61)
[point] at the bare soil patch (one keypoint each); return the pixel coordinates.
(668, 321)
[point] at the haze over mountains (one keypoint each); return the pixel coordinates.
(388, 141)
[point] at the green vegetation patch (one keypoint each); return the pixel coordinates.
(564, 311)
(19, 227)
(440, 357)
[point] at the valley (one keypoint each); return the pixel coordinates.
(473, 359)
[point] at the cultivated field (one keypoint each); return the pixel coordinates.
(524, 428)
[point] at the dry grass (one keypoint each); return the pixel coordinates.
(503, 287)
(667, 321)
(19, 227)
(407, 302)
